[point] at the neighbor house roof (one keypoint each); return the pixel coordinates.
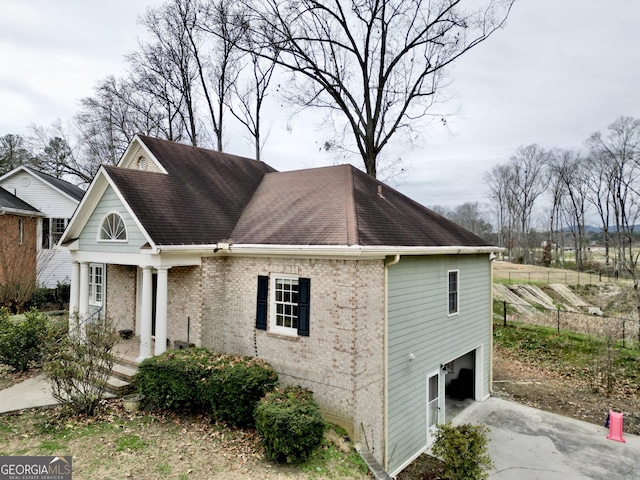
(9, 203)
(62, 185)
(66, 188)
(208, 197)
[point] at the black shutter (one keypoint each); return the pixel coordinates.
(304, 294)
(261, 310)
(45, 233)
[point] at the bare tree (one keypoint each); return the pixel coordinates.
(166, 66)
(619, 150)
(567, 168)
(618, 154)
(249, 96)
(500, 197)
(378, 64)
(598, 183)
(526, 182)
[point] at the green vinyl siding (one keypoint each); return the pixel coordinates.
(111, 203)
(419, 324)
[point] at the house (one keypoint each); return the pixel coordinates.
(18, 248)
(56, 200)
(343, 284)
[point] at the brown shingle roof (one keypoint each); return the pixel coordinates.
(341, 205)
(208, 197)
(198, 202)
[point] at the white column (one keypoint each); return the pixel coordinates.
(74, 296)
(145, 314)
(161, 310)
(83, 301)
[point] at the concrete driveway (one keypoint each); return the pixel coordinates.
(530, 444)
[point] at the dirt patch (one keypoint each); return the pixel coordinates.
(567, 395)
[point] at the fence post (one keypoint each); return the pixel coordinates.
(558, 321)
(624, 321)
(504, 313)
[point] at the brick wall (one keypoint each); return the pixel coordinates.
(121, 296)
(18, 260)
(342, 359)
(184, 309)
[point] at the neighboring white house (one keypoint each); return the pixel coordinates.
(57, 200)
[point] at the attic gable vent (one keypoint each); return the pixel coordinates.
(142, 163)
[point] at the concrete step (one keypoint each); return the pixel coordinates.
(124, 372)
(120, 380)
(118, 387)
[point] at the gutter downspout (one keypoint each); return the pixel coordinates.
(492, 257)
(391, 263)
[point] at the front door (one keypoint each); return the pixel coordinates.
(433, 403)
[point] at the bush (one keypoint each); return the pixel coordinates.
(463, 448)
(22, 342)
(290, 424)
(227, 387)
(79, 365)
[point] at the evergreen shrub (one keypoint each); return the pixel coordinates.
(290, 424)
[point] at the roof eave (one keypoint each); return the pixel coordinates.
(358, 251)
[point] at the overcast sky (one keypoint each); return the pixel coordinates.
(559, 71)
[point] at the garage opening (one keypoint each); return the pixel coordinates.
(460, 381)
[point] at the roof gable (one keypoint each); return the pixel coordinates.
(65, 188)
(200, 198)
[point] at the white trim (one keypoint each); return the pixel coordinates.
(272, 327)
(441, 402)
(128, 155)
(88, 205)
(478, 366)
(111, 240)
(457, 312)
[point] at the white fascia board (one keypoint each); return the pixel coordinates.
(137, 141)
(137, 259)
(85, 207)
(21, 213)
(355, 251)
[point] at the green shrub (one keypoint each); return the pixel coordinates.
(22, 342)
(290, 424)
(170, 381)
(463, 448)
(227, 387)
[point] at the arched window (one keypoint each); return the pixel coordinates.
(112, 228)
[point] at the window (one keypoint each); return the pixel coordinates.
(96, 282)
(112, 228)
(453, 292)
(52, 230)
(288, 300)
(20, 231)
